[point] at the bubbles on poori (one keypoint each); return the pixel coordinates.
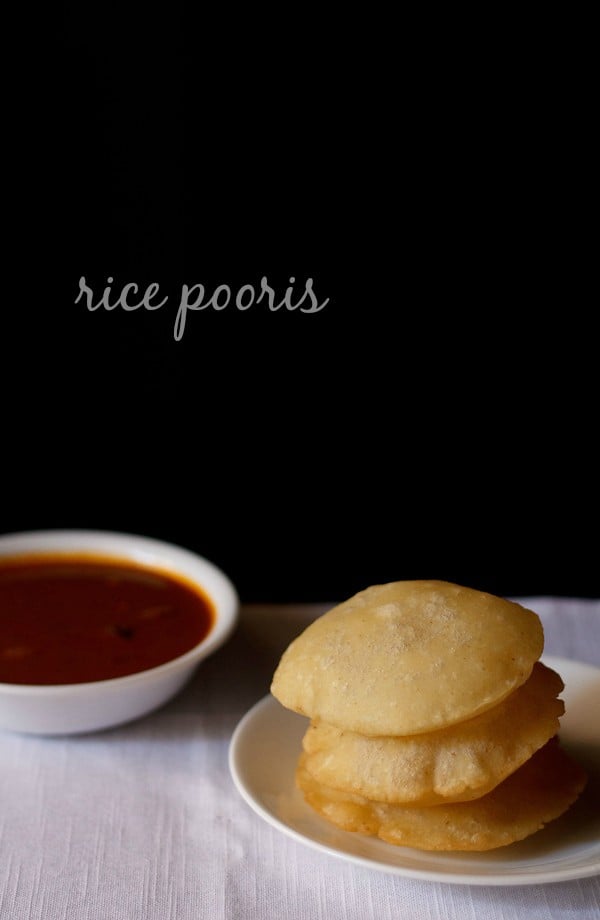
(433, 723)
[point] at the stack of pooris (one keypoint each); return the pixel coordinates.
(433, 722)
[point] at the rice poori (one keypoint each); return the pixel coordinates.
(538, 792)
(409, 657)
(433, 722)
(454, 764)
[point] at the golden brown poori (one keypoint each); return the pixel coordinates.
(409, 657)
(538, 792)
(454, 764)
(433, 722)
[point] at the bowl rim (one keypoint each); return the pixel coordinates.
(142, 549)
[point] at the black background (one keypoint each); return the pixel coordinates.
(436, 419)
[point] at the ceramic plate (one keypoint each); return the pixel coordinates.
(265, 748)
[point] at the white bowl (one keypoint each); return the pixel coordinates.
(72, 708)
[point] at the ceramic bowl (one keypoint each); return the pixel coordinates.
(83, 707)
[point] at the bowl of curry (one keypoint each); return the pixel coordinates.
(99, 628)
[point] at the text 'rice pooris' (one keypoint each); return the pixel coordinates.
(539, 791)
(409, 657)
(454, 764)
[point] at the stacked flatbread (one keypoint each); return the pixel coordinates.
(433, 722)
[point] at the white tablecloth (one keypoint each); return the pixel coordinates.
(143, 821)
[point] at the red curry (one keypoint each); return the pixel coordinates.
(68, 619)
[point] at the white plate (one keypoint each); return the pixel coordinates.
(266, 744)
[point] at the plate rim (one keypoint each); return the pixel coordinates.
(529, 876)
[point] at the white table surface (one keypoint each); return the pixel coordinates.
(143, 821)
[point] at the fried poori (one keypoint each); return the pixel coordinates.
(409, 657)
(538, 792)
(454, 764)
